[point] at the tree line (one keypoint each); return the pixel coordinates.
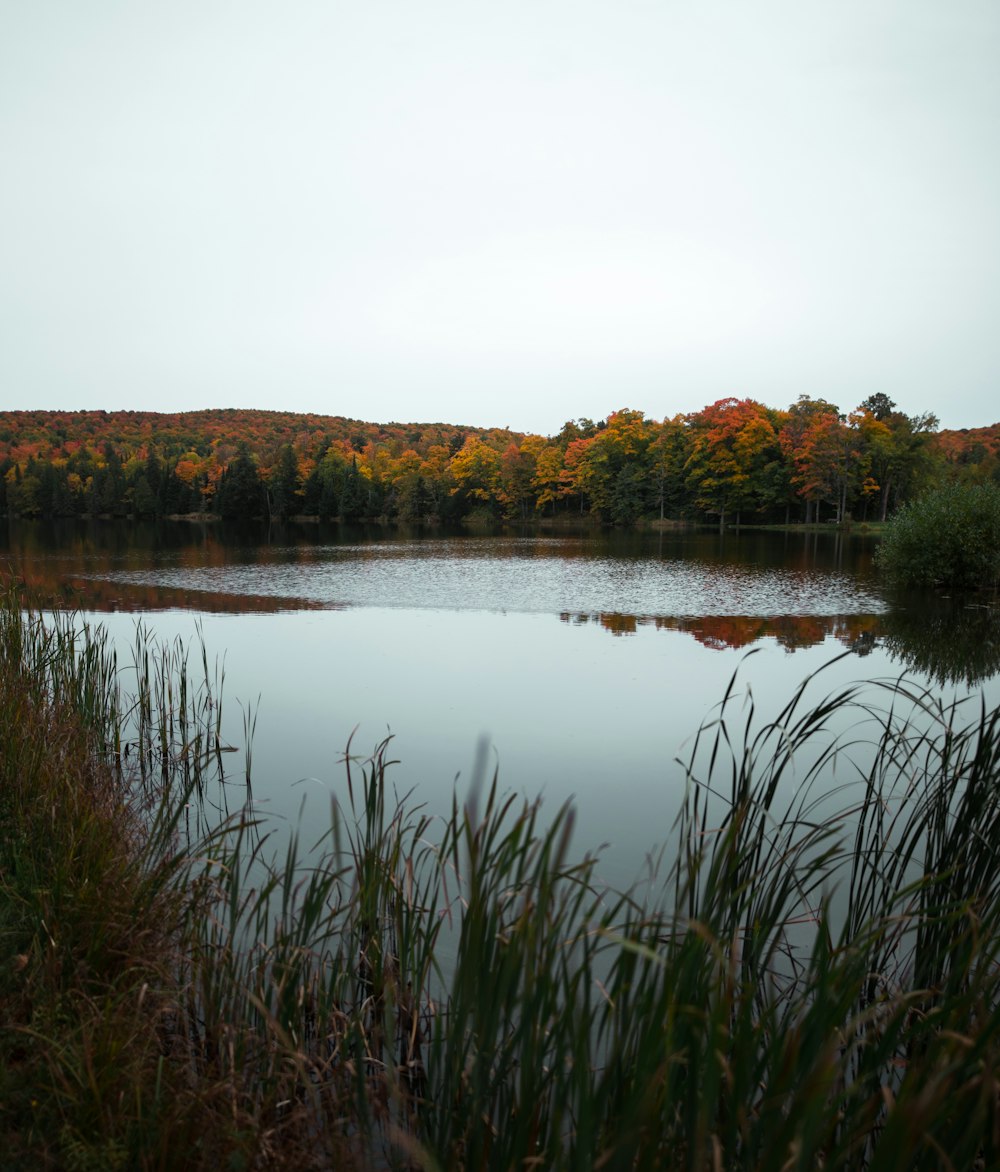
(734, 460)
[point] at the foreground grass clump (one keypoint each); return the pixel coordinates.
(94, 901)
(812, 980)
(950, 537)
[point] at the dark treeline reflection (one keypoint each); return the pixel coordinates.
(858, 632)
(106, 566)
(67, 564)
(74, 593)
(106, 545)
(951, 639)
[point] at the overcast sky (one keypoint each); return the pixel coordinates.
(509, 213)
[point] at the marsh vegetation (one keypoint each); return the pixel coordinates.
(808, 976)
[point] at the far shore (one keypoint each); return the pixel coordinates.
(478, 523)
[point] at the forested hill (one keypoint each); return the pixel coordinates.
(51, 435)
(735, 457)
(971, 445)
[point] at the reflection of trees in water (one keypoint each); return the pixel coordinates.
(72, 565)
(953, 640)
(96, 594)
(735, 631)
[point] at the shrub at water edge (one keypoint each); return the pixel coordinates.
(950, 537)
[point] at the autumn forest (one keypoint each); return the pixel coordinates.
(735, 460)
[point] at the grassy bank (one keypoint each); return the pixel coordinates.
(811, 979)
(95, 903)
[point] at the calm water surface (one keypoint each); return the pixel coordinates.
(585, 663)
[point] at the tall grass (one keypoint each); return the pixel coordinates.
(810, 980)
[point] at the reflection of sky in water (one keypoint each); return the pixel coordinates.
(421, 650)
(433, 575)
(568, 712)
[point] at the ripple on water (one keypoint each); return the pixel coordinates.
(514, 577)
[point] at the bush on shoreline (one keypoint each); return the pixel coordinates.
(950, 537)
(812, 981)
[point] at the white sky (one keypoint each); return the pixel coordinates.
(505, 213)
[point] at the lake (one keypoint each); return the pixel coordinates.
(582, 664)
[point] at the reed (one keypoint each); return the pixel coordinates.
(810, 979)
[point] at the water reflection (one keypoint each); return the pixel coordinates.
(685, 574)
(857, 632)
(951, 640)
(108, 596)
(727, 592)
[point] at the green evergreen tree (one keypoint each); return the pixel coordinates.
(352, 499)
(241, 494)
(282, 487)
